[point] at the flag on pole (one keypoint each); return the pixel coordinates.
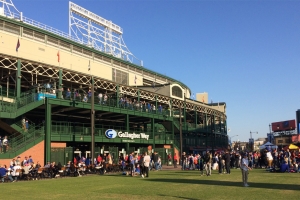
(135, 79)
(89, 68)
(202, 99)
(18, 45)
(58, 57)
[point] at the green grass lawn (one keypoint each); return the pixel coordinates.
(169, 184)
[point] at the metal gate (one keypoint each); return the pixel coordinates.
(61, 154)
(114, 153)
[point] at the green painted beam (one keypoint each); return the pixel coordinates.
(48, 131)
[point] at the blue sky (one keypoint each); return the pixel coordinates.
(244, 53)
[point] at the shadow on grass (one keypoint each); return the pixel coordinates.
(228, 183)
(176, 197)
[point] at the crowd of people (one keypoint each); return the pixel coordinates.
(224, 161)
(106, 99)
(132, 164)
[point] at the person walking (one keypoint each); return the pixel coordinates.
(245, 170)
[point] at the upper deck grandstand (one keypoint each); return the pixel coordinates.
(72, 90)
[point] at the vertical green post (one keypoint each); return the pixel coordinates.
(118, 96)
(184, 115)
(206, 127)
(60, 84)
(18, 78)
(155, 104)
(195, 117)
(47, 142)
(171, 108)
(153, 132)
(127, 129)
(173, 137)
(139, 94)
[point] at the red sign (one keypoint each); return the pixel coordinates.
(284, 126)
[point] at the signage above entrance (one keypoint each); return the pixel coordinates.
(111, 134)
(133, 135)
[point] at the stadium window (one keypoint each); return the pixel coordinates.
(120, 76)
(177, 91)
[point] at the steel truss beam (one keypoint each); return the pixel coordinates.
(52, 72)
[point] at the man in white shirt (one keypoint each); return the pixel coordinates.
(14, 173)
(147, 160)
(245, 168)
(4, 144)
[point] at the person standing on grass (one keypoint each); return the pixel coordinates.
(207, 161)
(245, 170)
(175, 160)
(147, 160)
(227, 162)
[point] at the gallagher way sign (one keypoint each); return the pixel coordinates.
(110, 133)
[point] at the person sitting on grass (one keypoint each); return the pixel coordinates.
(2, 173)
(283, 167)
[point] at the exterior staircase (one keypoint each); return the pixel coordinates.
(18, 107)
(19, 143)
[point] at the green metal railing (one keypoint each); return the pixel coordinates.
(83, 129)
(9, 93)
(13, 106)
(18, 141)
(20, 127)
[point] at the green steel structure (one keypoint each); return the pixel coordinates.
(67, 119)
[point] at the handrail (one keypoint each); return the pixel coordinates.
(19, 141)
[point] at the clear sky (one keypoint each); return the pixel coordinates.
(244, 52)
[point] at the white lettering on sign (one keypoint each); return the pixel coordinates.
(133, 135)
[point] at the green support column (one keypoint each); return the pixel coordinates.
(171, 108)
(18, 78)
(155, 104)
(196, 117)
(153, 132)
(118, 96)
(173, 137)
(139, 93)
(127, 129)
(60, 84)
(206, 127)
(184, 117)
(47, 142)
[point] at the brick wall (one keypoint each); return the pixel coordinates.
(36, 152)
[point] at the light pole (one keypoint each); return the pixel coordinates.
(251, 140)
(92, 120)
(230, 143)
(180, 134)
(232, 137)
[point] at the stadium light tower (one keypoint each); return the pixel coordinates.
(8, 9)
(98, 33)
